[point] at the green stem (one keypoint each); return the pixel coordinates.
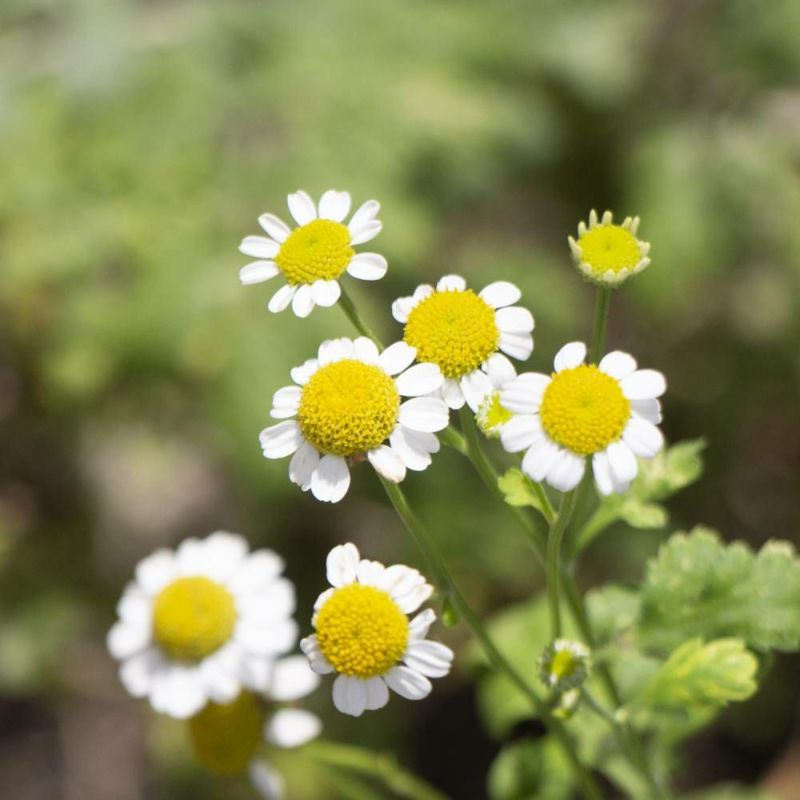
(348, 306)
(557, 530)
(452, 438)
(382, 766)
(451, 592)
(601, 308)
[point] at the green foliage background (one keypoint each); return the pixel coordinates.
(139, 141)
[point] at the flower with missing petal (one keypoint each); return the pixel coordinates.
(362, 632)
(465, 334)
(346, 403)
(226, 737)
(606, 253)
(313, 256)
(607, 411)
(202, 622)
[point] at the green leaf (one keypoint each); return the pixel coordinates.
(699, 586)
(703, 675)
(527, 770)
(518, 490)
(613, 610)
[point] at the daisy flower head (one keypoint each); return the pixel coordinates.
(363, 633)
(200, 623)
(314, 255)
(227, 737)
(608, 412)
(492, 415)
(464, 333)
(343, 407)
(606, 253)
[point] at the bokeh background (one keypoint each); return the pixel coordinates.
(139, 141)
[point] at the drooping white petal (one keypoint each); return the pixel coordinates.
(520, 432)
(334, 205)
(602, 473)
(419, 626)
(451, 283)
(644, 384)
(408, 683)
(523, 395)
(514, 320)
(424, 414)
(452, 394)
(396, 357)
(292, 678)
(642, 437)
(419, 380)
(281, 299)
(365, 350)
(617, 364)
(387, 463)
(368, 266)
(364, 233)
(500, 294)
(259, 247)
(285, 402)
(326, 293)
(291, 727)
(539, 459)
(258, 272)
(127, 639)
(316, 660)
(267, 782)
(281, 440)
(302, 466)
(500, 370)
(622, 463)
(302, 208)
(349, 695)
(516, 345)
(431, 659)
(341, 564)
(570, 356)
(156, 571)
(274, 227)
(331, 479)
(414, 447)
(566, 473)
(303, 301)
(475, 386)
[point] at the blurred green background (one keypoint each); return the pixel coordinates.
(139, 141)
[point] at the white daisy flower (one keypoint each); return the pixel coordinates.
(202, 622)
(606, 253)
(464, 333)
(363, 633)
(346, 404)
(608, 411)
(313, 256)
(492, 415)
(226, 738)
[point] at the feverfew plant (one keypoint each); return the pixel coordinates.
(617, 677)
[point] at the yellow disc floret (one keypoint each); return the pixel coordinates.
(319, 250)
(584, 410)
(193, 617)
(492, 415)
(348, 408)
(609, 248)
(455, 330)
(361, 631)
(225, 737)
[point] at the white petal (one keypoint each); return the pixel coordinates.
(292, 678)
(500, 370)
(331, 479)
(302, 374)
(475, 386)
(259, 247)
(396, 357)
(255, 671)
(138, 672)
(451, 283)
(302, 208)
(135, 605)
(366, 350)
(566, 472)
(570, 356)
(367, 266)
(281, 299)
(649, 410)
(523, 395)
(224, 555)
(316, 660)
(419, 626)
(126, 639)
(326, 293)
(452, 394)
(258, 272)
(514, 320)
(398, 580)
(275, 227)
(156, 571)
(267, 782)
(302, 465)
(259, 570)
(178, 691)
(303, 301)
(273, 603)
(617, 364)
(622, 462)
(365, 213)
(281, 440)
(517, 345)
(642, 437)
(408, 683)
(377, 693)
(419, 380)
(370, 573)
(334, 205)
(409, 602)
(387, 463)
(424, 414)
(500, 294)
(644, 384)
(266, 637)
(325, 596)
(414, 447)
(286, 401)
(336, 349)
(429, 658)
(402, 307)
(349, 695)
(539, 459)
(364, 233)
(291, 727)
(520, 432)
(341, 564)
(220, 673)
(602, 473)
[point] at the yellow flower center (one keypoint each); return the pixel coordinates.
(225, 737)
(492, 414)
(584, 410)
(361, 631)
(609, 247)
(319, 250)
(348, 408)
(193, 617)
(455, 330)
(562, 665)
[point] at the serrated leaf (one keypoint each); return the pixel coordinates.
(528, 770)
(702, 675)
(517, 489)
(699, 586)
